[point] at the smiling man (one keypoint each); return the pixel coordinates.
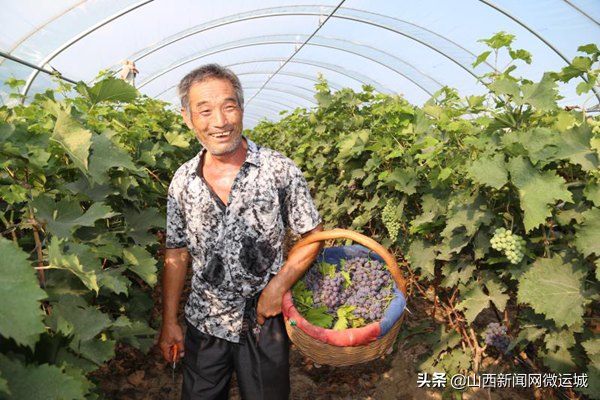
(228, 211)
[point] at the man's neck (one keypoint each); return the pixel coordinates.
(235, 159)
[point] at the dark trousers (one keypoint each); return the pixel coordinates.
(262, 369)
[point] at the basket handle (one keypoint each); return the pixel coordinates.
(390, 261)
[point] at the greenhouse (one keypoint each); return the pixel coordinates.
(349, 199)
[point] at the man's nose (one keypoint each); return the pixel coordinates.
(220, 118)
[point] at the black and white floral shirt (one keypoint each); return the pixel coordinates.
(237, 248)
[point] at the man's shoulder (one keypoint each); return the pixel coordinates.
(273, 158)
(184, 170)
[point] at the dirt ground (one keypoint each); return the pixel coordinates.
(133, 375)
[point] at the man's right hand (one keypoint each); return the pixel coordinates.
(171, 334)
(176, 262)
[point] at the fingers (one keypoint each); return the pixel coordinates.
(180, 347)
(260, 319)
(170, 336)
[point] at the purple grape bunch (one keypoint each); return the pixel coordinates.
(496, 337)
(333, 294)
(369, 288)
(312, 280)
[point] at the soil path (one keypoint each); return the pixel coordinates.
(134, 375)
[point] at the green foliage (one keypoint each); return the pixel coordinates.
(451, 172)
(84, 186)
(20, 296)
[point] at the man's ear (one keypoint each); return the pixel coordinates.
(186, 118)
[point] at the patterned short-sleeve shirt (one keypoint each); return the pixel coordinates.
(235, 248)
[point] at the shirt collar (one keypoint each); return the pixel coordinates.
(252, 156)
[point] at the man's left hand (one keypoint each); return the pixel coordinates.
(269, 302)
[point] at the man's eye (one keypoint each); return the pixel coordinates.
(230, 108)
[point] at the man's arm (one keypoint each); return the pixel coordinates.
(269, 303)
(176, 263)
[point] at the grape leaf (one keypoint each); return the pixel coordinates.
(563, 339)
(327, 269)
(490, 171)
(342, 313)
(540, 143)
(421, 255)
(113, 280)
(105, 155)
(178, 140)
(554, 288)
(587, 239)
(527, 335)
(506, 86)
(4, 386)
(72, 318)
(442, 339)
(457, 273)
(592, 192)
(71, 262)
(471, 215)
(560, 361)
(64, 216)
(74, 138)
(142, 263)
(20, 297)
(475, 299)
(39, 382)
(593, 387)
(96, 350)
(592, 348)
(575, 146)
(319, 317)
(403, 180)
(536, 190)
(111, 89)
(541, 95)
(139, 222)
(138, 334)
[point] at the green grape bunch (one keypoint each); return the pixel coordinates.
(508, 243)
(595, 124)
(390, 220)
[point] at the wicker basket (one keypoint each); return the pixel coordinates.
(325, 353)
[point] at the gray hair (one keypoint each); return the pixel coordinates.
(203, 73)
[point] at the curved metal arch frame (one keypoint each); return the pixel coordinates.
(296, 95)
(275, 113)
(357, 76)
(76, 39)
(278, 102)
(294, 74)
(209, 53)
(311, 100)
(267, 107)
(290, 104)
(339, 14)
(582, 12)
(42, 26)
(534, 33)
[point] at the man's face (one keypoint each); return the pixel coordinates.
(215, 116)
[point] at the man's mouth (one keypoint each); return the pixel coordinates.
(219, 135)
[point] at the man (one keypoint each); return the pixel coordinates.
(228, 209)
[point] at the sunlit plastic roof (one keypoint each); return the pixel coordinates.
(279, 48)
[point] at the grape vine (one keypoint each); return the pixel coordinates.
(463, 167)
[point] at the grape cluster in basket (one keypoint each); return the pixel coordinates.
(358, 292)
